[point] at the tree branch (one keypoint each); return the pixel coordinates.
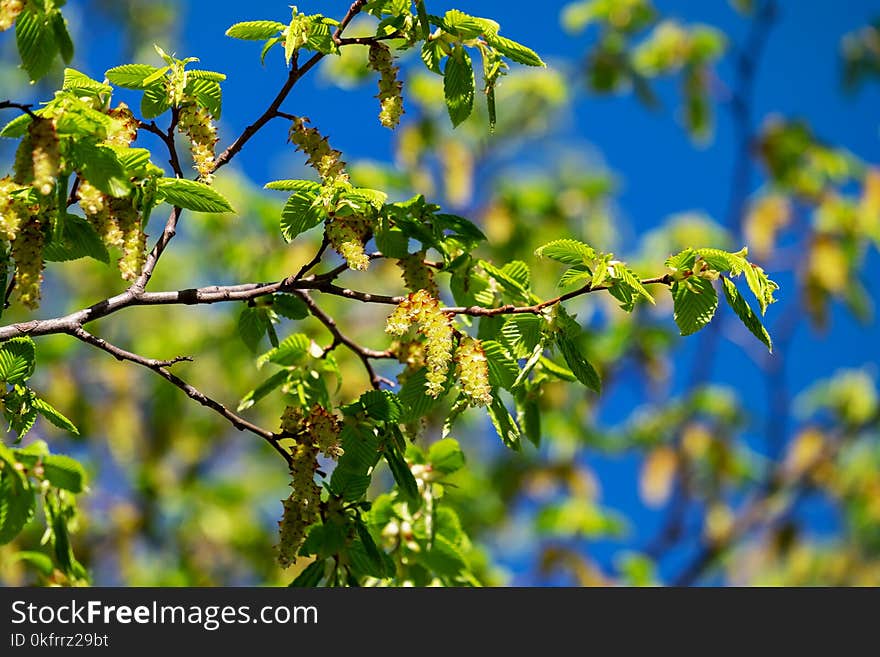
(160, 367)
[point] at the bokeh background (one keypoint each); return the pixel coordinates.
(704, 460)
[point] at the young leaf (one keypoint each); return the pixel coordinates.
(569, 252)
(272, 383)
(255, 30)
(192, 195)
(309, 186)
(291, 351)
(54, 416)
(744, 312)
(78, 240)
(504, 424)
(16, 503)
(17, 360)
(289, 306)
(381, 405)
(446, 456)
(62, 37)
(64, 472)
(299, 215)
(81, 84)
(252, 326)
(579, 365)
(403, 477)
(37, 45)
(514, 51)
(458, 85)
(311, 576)
(130, 76)
(694, 303)
(503, 369)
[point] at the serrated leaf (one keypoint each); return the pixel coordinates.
(289, 306)
(294, 186)
(432, 54)
(255, 30)
(78, 240)
(274, 41)
(16, 504)
(192, 195)
(403, 476)
(446, 456)
(694, 303)
(272, 383)
(503, 369)
(744, 312)
(459, 226)
(519, 272)
(514, 51)
(627, 287)
(579, 366)
(81, 84)
(62, 37)
(569, 252)
(54, 416)
(155, 101)
(414, 397)
(17, 127)
(508, 282)
(522, 333)
(299, 215)
(557, 370)
(760, 285)
(17, 360)
(311, 576)
(207, 94)
(37, 45)
(381, 405)
(504, 424)
(576, 276)
(213, 76)
(724, 261)
(99, 165)
(458, 85)
(252, 326)
(64, 472)
(130, 76)
(291, 351)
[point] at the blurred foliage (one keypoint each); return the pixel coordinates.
(173, 495)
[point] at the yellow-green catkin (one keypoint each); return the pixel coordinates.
(23, 165)
(45, 156)
(127, 129)
(198, 125)
(9, 11)
(325, 160)
(417, 275)
(27, 252)
(96, 207)
(423, 310)
(134, 240)
(390, 98)
(472, 371)
(347, 236)
(12, 211)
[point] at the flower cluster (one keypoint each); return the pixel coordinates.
(134, 240)
(325, 160)
(128, 126)
(423, 310)
(347, 236)
(416, 274)
(390, 98)
(27, 252)
(45, 156)
(472, 371)
(9, 11)
(197, 124)
(12, 210)
(96, 206)
(316, 432)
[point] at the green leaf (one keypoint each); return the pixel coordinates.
(504, 424)
(569, 252)
(252, 326)
(360, 447)
(579, 366)
(309, 186)
(518, 271)
(101, 167)
(694, 303)
(207, 94)
(299, 215)
(54, 416)
(62, 37)
(290, 352)
(274, 41)
(503, 369)
(78, 240)
(458, 85)
(508, 282)
(212, 76)
(443, 558)
(192, 195)
(723, 261)
(446, 456)
(627, 287)
(64, 472)
(17, 127)
(414, 398)
(745, 313)
(290, 306)
(312, 575)
(403, 477)
(41, 562)
(381, 405)
(255, 30)
(514, 51)
(81, 84)
(16, 503)
(17, 360)
(37, 45)
(155, 101)
(272, 383)
(130, 76)
(760, 285)
(576, 276)
(432, 54)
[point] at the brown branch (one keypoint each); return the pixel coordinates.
(160, 367)
(23, 107)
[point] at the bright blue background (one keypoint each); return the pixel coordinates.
(660, 171)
